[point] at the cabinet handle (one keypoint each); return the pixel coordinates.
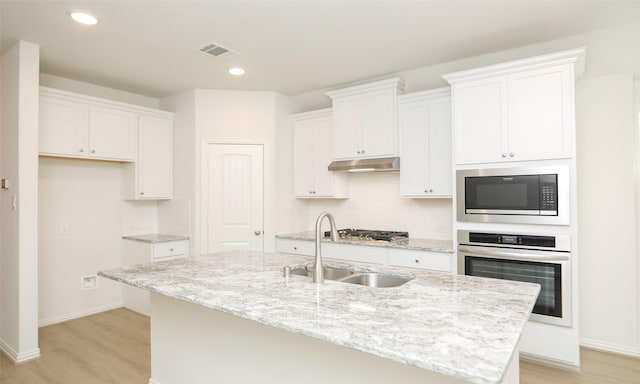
(81, 150)
(170, 249)
(512, 154)
(417, 261)
(257, 233)
(141, 193)
(504, 155)
(295, 248)
(362, 151)
(93, 151)
(430, 190)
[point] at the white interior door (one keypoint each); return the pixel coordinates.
(235, 196)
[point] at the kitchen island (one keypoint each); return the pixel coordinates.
(233, 317)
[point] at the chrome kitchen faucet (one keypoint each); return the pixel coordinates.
(318, 268)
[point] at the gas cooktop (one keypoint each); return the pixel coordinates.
(369, 234)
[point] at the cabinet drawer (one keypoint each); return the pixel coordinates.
(434, 261)
(358, 253)
(296, 247)
(169, 249)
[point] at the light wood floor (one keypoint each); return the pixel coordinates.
(113, 347)
(110, 347)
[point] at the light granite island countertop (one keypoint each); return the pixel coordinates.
(459, 328)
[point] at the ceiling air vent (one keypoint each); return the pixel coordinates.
(216, 50)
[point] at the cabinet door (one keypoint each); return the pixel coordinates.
(325, 181)
(414, 139)
(479, 115)
(112, 134)
(439, 168)
(63, 127)
(540, 110)
(378, 124)
(425, 131)
(347, 123)
(155, 158)
(304, 157)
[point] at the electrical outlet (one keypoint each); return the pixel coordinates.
(89, 282)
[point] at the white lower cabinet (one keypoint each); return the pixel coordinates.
(357, 253)
(138, 252)
(295, 247)
(409, 258)
(433, 261)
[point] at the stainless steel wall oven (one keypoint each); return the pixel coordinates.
(542, 259)
(529, 195)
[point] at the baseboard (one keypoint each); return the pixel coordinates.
(610, 347)
(151, 381)
(78, 314)
(549, 362)
(18, 358)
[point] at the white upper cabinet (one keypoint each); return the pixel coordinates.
(364, 120)
(425, 144)
(151, 176)
(85, 127)
(312, 152)
(63, 127)
(74, 126)
(112, 133)
(517, 111)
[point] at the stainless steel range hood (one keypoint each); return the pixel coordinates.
(366, 165)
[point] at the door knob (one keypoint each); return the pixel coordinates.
(257, 233)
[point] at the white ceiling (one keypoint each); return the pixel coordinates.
(148, 47)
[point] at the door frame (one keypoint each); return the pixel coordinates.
(204, 187)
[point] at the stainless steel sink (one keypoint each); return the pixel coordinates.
(330, 273)
(377, 280)
(346, 275)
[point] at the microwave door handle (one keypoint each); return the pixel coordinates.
(524, 255)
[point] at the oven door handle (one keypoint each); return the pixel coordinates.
(523, 255)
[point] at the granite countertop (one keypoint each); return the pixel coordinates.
(155, 238)
(461, 326)
(410, 243)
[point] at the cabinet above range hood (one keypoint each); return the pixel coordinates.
(366, 165)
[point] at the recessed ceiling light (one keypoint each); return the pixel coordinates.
(236, 71)
(83, 17)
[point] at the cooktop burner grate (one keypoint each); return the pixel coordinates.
(368, 234)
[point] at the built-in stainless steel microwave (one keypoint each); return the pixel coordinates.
(531, 195)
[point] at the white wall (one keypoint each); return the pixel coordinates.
(611, 64)
(606, 183)
(19, 225)
(80, 229)
(97, 91)
(220, 116)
